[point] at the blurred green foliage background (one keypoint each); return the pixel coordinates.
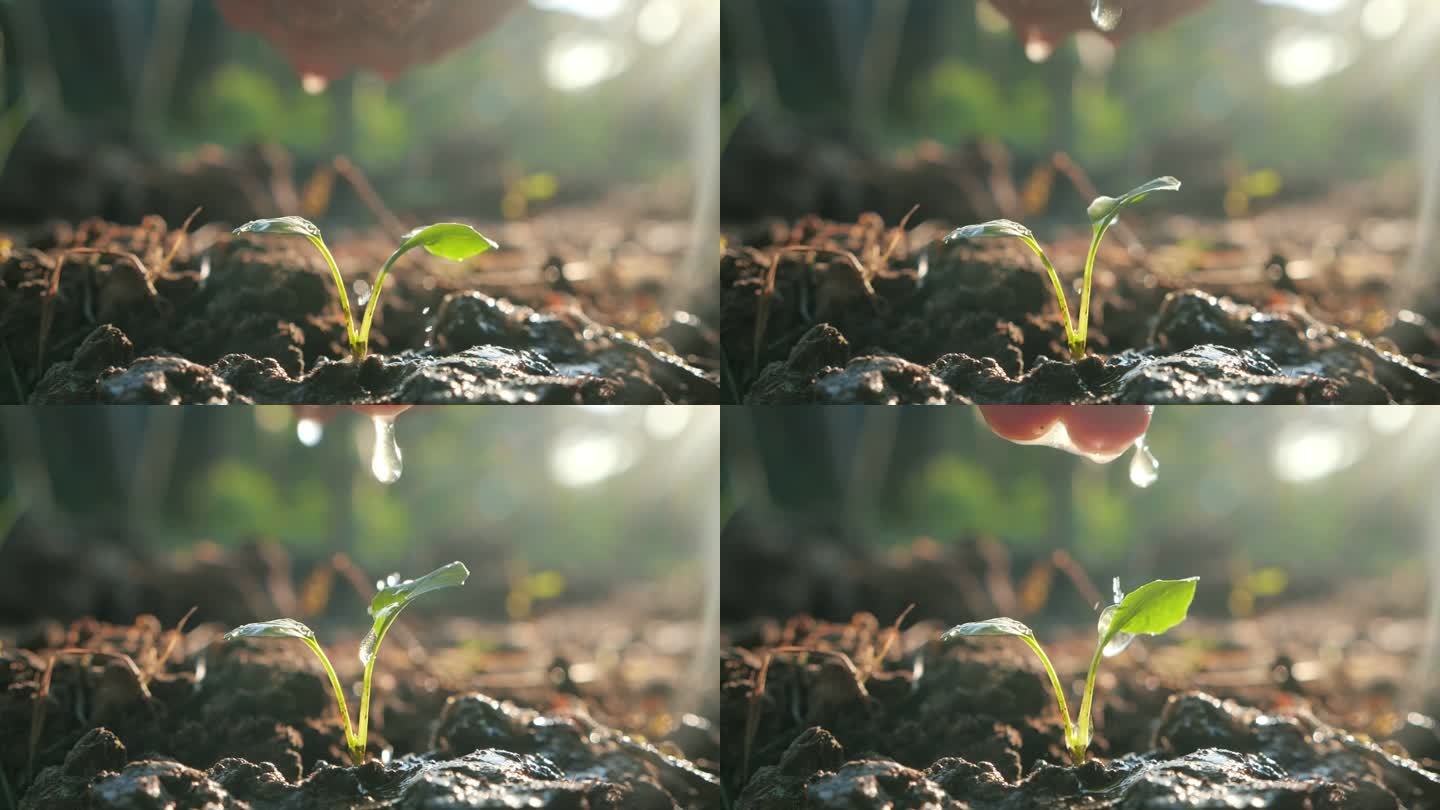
(1318, 492)
(590, 494)
(588, 94)
(1318, 90)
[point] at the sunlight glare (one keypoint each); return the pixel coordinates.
(666, 421)
(583, 458)
(579, 63)
(1303, 454)
(1391, 419)
(1300, 57)
(591, 9)
(1311, 6)
(658, 22)
(1383, 19)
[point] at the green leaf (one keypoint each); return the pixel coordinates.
(994, 627)
(1011, 228)
(449, 240)
(1152, 608)
(995, 227)
(1104, 209)
(297, 226)
(275, 628)
(1009, 627)
(393, 598)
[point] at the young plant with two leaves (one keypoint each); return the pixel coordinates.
(448, 240)
(384, 609)
(1151, 609)
(1103, 212)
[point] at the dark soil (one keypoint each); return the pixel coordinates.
(1298, 705)
(1290, 306)
(235, 320)
(477, 714)
(976, 726)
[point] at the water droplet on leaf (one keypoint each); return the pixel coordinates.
(367, 648)
(1117, 644)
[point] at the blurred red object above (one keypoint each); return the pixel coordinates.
(331, 38)
(1104, 430)
(1049, 21)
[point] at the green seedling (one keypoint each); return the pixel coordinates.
(1152, 609)
(384, 609)
(448, 240)
(1103, 212)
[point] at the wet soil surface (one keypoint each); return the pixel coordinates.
(1292, 305)
(1303, 703)
(566, 312)
(831, 725)
(530, 713)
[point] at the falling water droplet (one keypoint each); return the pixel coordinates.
(362, 291)
(1144, 469)
(309, 431)
(385, 458)
(314, 84)
(1038, 50)
(1105, 15)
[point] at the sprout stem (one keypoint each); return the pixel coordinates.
(1081, 740)
(372, 304)
(385, 607)
(357, 746)
(1054, 683)
(355, 348)
(1059, 294)
(1077, 345)
(339, 697)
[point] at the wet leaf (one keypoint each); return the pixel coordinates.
(1117, 641)
(399, 592)
(449, 240)
(993, 627)
(275, 628)
(393, 598)
(995, 227)
(298, 226)
(1011, 228)
(1104, 210)
(1152, 608)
